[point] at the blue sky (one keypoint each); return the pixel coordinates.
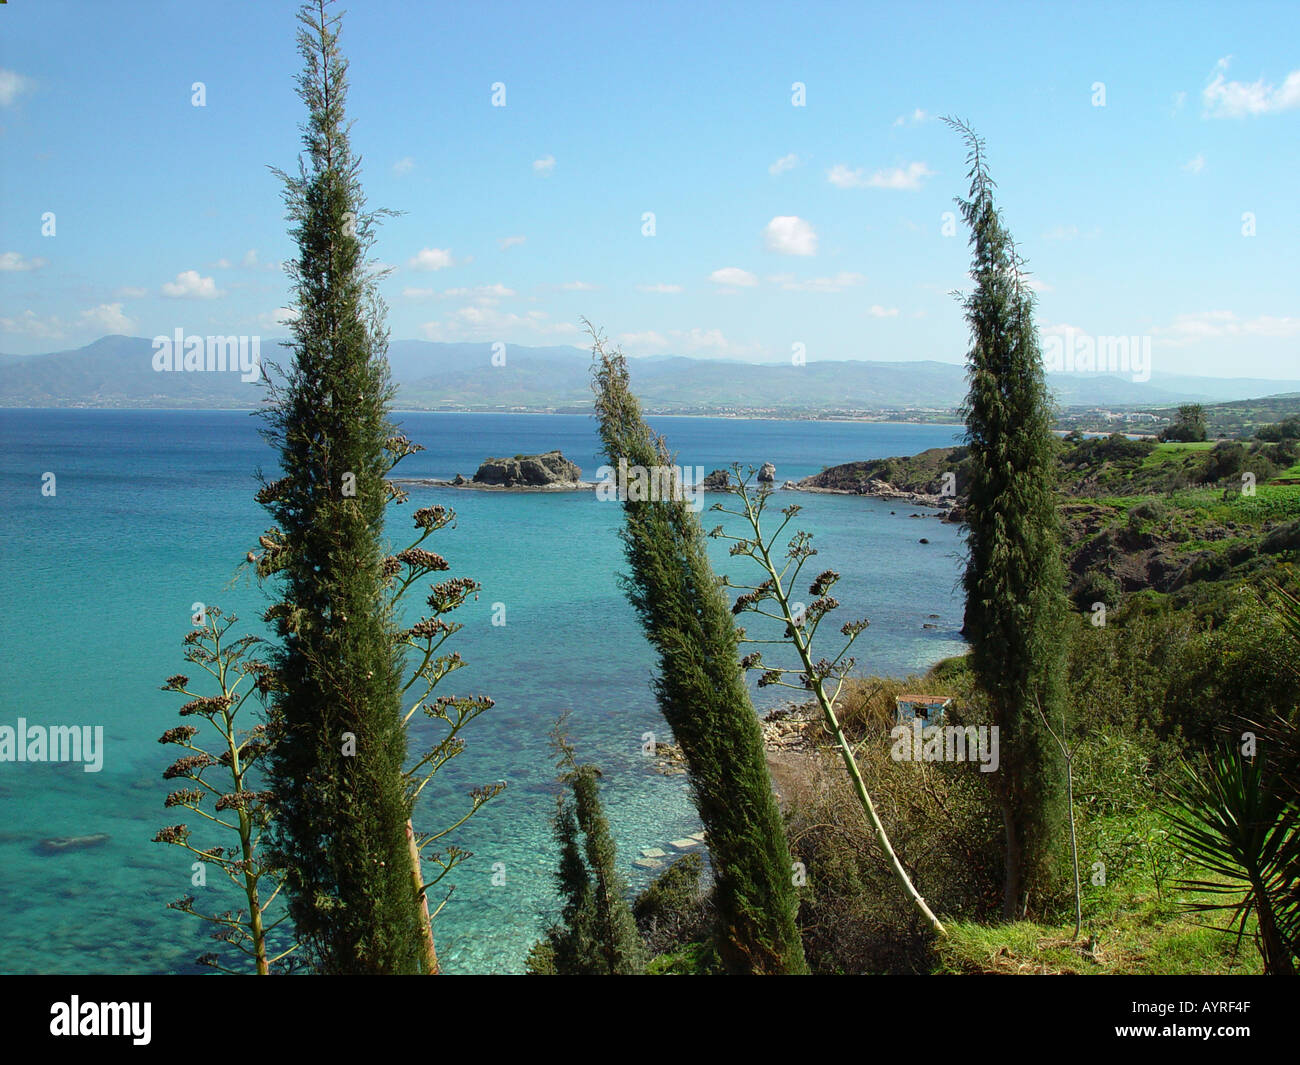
(774, 225)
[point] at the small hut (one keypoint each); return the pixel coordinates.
(929, 708)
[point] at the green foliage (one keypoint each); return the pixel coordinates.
(597, 934)
(692, 959)
(1095, 587)
(231, 800)
(1234, 816)
(824, 677)
(673, 909)
(703, 696)
(1188, 425)
(1014, 577)
(340, 817)
(944, 827)
(1288, 429)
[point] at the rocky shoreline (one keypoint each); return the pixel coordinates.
(473, 486)
(948, 507)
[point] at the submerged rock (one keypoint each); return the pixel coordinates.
(59, 844)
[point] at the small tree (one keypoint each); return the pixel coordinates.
(597, 935)
(221, 789)
(1188, 425)
(1232, 816)
(823, 677)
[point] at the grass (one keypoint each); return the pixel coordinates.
(1271, 502)
(1139, 936)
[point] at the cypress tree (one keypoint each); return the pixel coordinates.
(614, 929)
(1014, 579)
(598, 935)
(702, 695)
(341, 802)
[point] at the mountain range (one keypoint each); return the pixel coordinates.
(117, 371)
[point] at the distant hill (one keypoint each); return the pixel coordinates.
(117, 371)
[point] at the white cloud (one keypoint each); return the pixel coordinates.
(1061, 233)
(843, 178)
(221, 264)
(431, 259)
(403, 166)
(1188, 329)
(1061, 329)
(1038, 286)
(12, 86)
(250, 261)
(544, 166)
(790, 235)
(189, 285)
(916, 116)
(898, 177)
(33, 325)
(105, 319)
(647, 341)
(509, 242)
(131, 292)
(838, 283)
(1237, 99)
(660, 288)
(703, 342)
(109, 318)
(877, 311)
(1180, 98)
(12, 260)
(488, 323)
(733, 277)
(578, 286)
(481, 294)
(278, 318)
(786, 162)
(1195, 164)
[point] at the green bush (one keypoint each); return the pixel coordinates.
(673, 909)
(1095, 587)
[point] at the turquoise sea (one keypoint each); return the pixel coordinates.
(154, 510)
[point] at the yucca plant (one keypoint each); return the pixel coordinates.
(1236, 818)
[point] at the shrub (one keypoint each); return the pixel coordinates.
(673, 910)
(1095, 587)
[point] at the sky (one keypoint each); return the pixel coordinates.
(750, 181)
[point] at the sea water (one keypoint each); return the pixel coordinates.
(152, 512)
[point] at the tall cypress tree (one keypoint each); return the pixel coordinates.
(703, 697)
(1014, 579)
(341, 803)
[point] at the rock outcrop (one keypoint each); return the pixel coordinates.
(547, 470)
(717, 481)
(767, 475)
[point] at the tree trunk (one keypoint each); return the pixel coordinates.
(1277, 959)
(1013, 863)
(426, 925)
